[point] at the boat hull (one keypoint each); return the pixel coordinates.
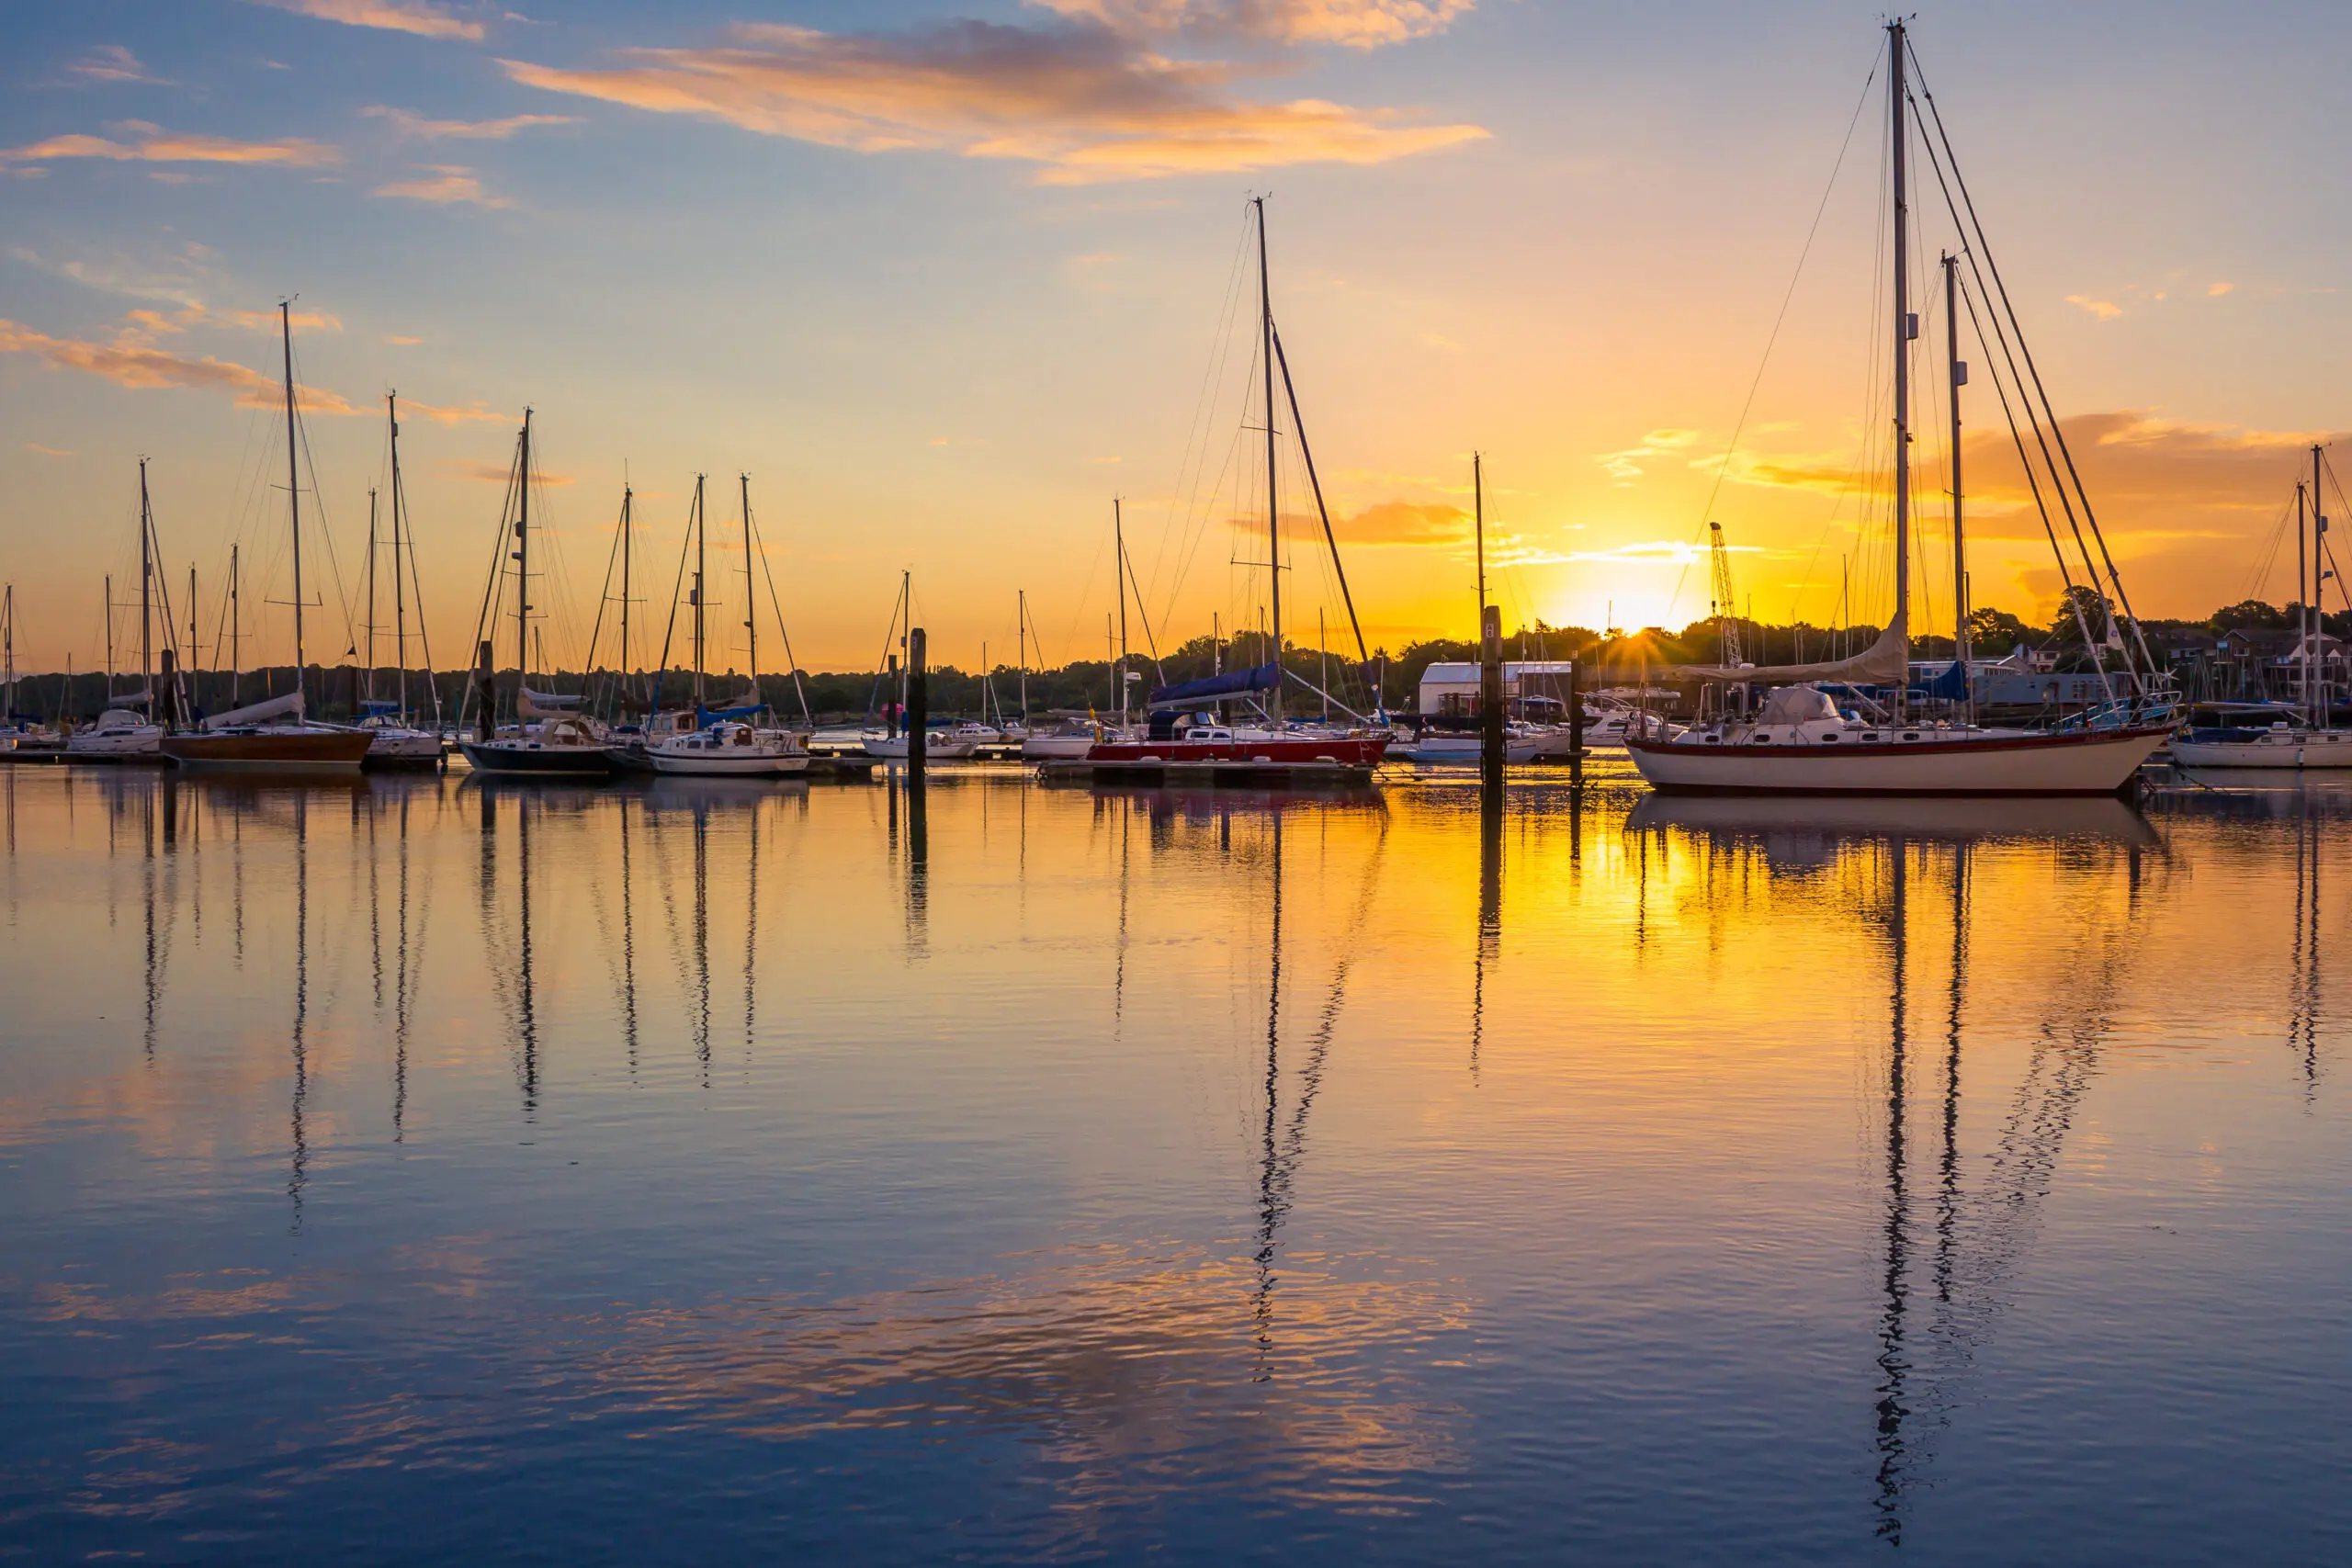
(2094, 762)
(292, 751)
(405, 749)
(712, 766)
(1324, 750)
(2327, 749)
(533, 760)
(933, 751)
(1041, 747)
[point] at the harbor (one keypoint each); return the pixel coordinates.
(1206, 782)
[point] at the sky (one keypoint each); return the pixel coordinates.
(948, 279)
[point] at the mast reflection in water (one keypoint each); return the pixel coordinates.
(1100, 1176)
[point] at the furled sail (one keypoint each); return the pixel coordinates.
(544, 705)
(1885, 662)
(1262, 677)
(257, 713)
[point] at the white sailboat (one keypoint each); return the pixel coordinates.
(2283, 745)
(730, 743)
(393, 740)
(1801, 742)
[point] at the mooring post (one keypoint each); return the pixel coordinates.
(166, 708)
(1491, 700)
(890, 709)
(918, 706)
(1576, 723)
(485, 718)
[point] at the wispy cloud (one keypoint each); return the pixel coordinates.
(131, 360)
(1358, 24)
(445, 184)
(411, 124)
(473, 414)
(113, 63)
(495, 473)
(144, 143)
(48, 451)
(1083, 100)
(398, 342)
(1656, 552)
(2216, 290)
(422, 18)
(1629, 465)
(2105, 310)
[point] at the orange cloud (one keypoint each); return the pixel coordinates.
(1358, 24)
(409, 124)
(475, 414)
(2105, 310)
(422, 18)
(153, 144)
(131, 362)
(495, 473)
(452, 184)
(1083, 100)
(48, 451)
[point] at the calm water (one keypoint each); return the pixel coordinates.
(698, 1171)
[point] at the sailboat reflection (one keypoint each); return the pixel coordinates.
(512, 973)
(1976, 1236)
(298, 1174)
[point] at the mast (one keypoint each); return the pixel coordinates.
(236, 645)
(1273, 507)
(293, 489)
(110, 582)
(2319, 584)
(1958, 373)
(522, 562)
(1119, 572)
(1021, 630)
(2302, 610)
(371, 593)
(629, 499)
(1478, 521)
(751, 598)
(1905, 328)
(400, 588)
(146, 577)
(700, 560)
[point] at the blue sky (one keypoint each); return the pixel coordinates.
(947, 278)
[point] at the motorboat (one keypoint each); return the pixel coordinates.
(728, 749)
(1071, 737)
(118, 733)
(1217, 743)
(938, 746)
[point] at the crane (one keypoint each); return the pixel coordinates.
(1726, 625)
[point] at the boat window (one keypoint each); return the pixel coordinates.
(1870, 734)
(1827, 739)
(1910, 735)
(1758, 739)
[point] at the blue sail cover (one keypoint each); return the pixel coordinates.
(1263, 678)
(1951, 685)
(706, 717)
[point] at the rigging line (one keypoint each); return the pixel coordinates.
(2065, 450)
(326, 532)
(2000, 336)
(1298, 428)
(775, 602)
(605, 597)
(492, 591)
(1204, 409)
(1781, 316)
(2257, 582)
(2074, 600)
(1144, 618)
(677, 585)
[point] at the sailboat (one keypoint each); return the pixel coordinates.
(548, 735)
(126, 729)
(937, 746)
(393, 740)
(1175, 741)
(1800, 742)
(730, 744)
(2306, 741)
(273, 736)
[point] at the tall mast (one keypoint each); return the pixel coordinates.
(627, 500)
(2319, 585)
(751, 599)
(372, 593)
(522, 575)
(146, 576)
(293, 488)
(1119, 572)
(1021, 630)
(1903, 329)
(236, 640)
(109, 581)
(1478, 524)
(1273, 507)
(400, 588)
(701, 592)
(1958, 372)
(188, 674)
